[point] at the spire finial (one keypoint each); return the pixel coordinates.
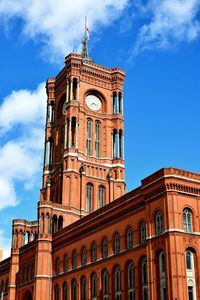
(85, 53)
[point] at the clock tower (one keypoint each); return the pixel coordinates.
(84, 148)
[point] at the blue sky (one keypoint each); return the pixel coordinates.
(156, 42)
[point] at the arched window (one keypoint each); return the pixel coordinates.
(131, 281)
(65, 263)
(187, 220)
(105, 248)
(60, 222)
(83, 289)
(26, 238)
(117, 284)
(94, 287)
(89, 138)
(120, 103)
(121, 150)
(65, 291)
(115, 102)
(73, 132)
(74, 260)
(116, 243)
(57, 292)
(105, 283)
(115, 143)
(143, 233)
(190, 274)
(162, 277)
(159, 224)
(101, 196)
(74, 89)
(84, 256)
(97, 139)
(129, 238)
(49, 152)
(54, 224)
(89, 196)
(74, 289)
(93, 252)
(144, 279)
(57, 266)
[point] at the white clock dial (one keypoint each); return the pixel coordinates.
(93, 102)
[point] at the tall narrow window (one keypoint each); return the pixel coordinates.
(65, 291)
(144, 280)
(89, 196)
(74, 260)
(74, 289)
(93, 252)
(117, 284)
(114, 102)
(116, 243)
(58, 266)
(131, 282)
(163, 290)
(105, 285)
(190, 274)
(101, 196)
(84, 256)
(129, 238)
(49, 152)
(94, 287)
(89, 138)
(187, 220)
(159, 224)
(115, 143)
(57, 292)
(121, 144)
(65, 263)
(74, 89)
(105, 248)
(143, 233)
(83, 289)
(120, 103)
(73, 132)
(97, 139)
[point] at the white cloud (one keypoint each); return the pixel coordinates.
(22, 112)
(23, 107)
(171, 22)
(60, 24)
(5, 244)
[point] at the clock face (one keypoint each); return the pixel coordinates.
(93, 102)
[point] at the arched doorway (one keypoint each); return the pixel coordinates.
(27, 296)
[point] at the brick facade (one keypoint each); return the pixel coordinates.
(91, 239)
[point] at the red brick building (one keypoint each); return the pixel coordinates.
(92, 240)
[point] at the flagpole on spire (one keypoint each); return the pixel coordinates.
(85, 53)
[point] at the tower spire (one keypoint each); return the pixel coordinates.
(85, 53)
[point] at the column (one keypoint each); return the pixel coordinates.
(67, 91)
(77, 135)
(122, 104)
(65, 137)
